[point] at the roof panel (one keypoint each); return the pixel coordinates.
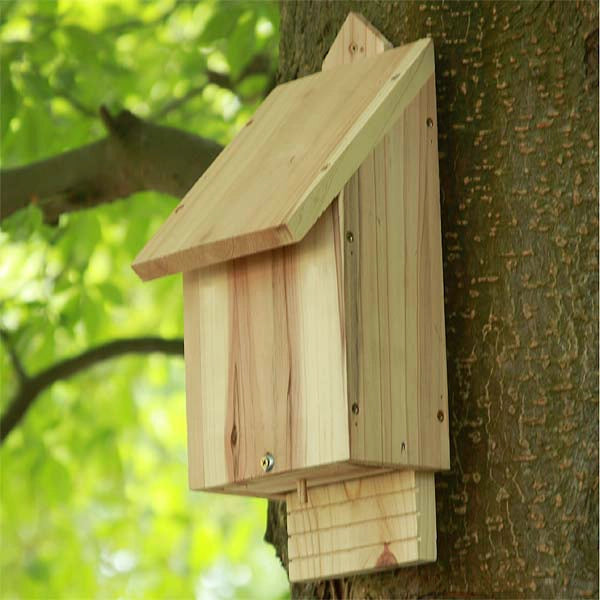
(273, 181)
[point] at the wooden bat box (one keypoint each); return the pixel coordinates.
(314, 316)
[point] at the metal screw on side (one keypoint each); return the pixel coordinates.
(267, 462)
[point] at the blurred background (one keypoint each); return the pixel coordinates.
(94, 496)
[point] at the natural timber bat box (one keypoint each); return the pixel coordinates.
(314, 318)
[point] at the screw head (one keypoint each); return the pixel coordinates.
(267, 462)
(355, 409)
(430, 122)
(440, 415)
(349, 236)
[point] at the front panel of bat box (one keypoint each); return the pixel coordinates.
(265, 364)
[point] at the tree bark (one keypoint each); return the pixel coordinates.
(517, 91)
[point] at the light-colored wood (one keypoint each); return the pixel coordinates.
(277, 485)
(271, 184)
(302, 491)
(314, 318)
(282, 345)
(266, 368)
(357, 39)
(393, 284)
(368, 524)
(394, 297)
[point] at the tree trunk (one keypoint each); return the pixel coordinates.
(517, 91)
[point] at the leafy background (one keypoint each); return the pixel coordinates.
(95, 501)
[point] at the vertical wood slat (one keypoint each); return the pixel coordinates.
(393, 287)
(394, 294)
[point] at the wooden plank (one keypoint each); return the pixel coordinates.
(206, 323)
(277, 485)
(394, 297)
(367, 532)
(192, 351)
(371, 523)
(366, 487)
(266, 371)
(369, 559)
(433, 333)
(338, 514)
(356, 39)
(270, 185)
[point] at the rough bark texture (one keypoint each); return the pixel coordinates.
(517, 86)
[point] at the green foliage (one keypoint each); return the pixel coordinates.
(95, 501)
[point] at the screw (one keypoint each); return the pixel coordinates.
(349, 236)
(430, 122)
(267, 462)
(440, 415)
(355, 409)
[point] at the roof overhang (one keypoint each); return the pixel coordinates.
(272, 182)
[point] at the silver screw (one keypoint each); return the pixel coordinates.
(267, 462)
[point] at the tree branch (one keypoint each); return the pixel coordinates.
(30, 387)
(136, 155)
(259, 65)
(74, 102)
(14, 357)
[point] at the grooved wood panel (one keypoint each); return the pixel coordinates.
(265, 361)
(277, 485)
(367, 524)
(271, 183)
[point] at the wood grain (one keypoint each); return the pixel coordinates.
(273, 181)
(363, 525)
(277, 485)
(328, 350)
(393, 283)
(357, 39)
(394, 297)
(266, 361)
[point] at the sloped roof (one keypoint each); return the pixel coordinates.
(273, 181)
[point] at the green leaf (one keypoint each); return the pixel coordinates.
(8, 96)
(222, 23)
(241, 44)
